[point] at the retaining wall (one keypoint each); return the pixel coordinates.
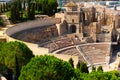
(39, 23)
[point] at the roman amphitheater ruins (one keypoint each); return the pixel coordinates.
(86, 33)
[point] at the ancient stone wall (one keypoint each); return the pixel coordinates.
(62, 18)
(34, 47)
(103, 37)
(37, 35)
(63, 27)
(72, 17)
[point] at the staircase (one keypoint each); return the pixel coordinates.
(84, 55)
(5, 19)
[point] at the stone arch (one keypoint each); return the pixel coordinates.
(73, 28)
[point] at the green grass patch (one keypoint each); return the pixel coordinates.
(8, 14)
(1, 22)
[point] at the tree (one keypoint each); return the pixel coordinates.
(28, 9)
(83, 68)
(78, 64)
(12, 13)
(48, 7)
(14, 54)
(24, 4)
(78, 74)
(19, 13)
(31, 11)
(47, 68)
(16, 69)
(100, 68)
(93, 68)
(15, 10)
(7, 6)
(1, 8)
(71, 62)
(4, 7)
(113, 75)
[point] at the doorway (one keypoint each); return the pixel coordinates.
(73, 29)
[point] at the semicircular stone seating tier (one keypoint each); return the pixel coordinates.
(95, 53)
(39, 23)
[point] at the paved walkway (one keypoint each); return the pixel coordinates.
(7, 24)
(6, 21)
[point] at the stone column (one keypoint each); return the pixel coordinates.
(77, 29)
(58, 28)
(80, 27)
(89, 18)
(86, 16)
(107, 59)
(83, 17)
(114, 24)
(96, 16)
(108, 55)
(68, 28)
(99, 21)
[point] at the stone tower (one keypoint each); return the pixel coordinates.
(72, 17)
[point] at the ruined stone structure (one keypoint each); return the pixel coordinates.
(92, 22)
(85, 33)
